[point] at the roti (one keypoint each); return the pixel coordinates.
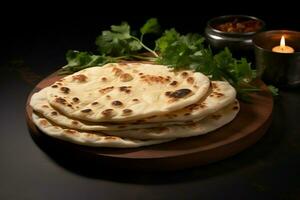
(204, 126)
(121, 92)
(142, 137)
(220, 95)
(88, 138)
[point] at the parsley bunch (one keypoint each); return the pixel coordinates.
(171, 49)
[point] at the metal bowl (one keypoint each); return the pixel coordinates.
(235, 41)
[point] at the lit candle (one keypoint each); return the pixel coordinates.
(283, 48)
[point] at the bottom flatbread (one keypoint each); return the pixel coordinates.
(88, 138)
(139, 137)
(206, 125)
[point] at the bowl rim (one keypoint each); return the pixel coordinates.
(209, 24)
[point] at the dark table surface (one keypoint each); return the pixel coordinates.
(269, 169)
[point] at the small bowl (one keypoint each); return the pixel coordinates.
(235, 41)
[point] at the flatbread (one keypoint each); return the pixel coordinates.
(220, 95)
(144, 137)
(88, 138)
(121, 92)
(206, 125)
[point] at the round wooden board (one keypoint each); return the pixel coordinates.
(248, 127)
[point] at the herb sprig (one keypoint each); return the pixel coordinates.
(171, 49)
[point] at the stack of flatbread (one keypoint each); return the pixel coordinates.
(132, 104)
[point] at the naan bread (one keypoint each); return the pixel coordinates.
(123, 92)
(206, 125)
(220, 95)
(88, 138)
(143, 137)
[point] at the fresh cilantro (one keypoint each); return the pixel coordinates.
(81, 60)
(120, 42)
(273, 90)
(151, 26)
(187, 51)
(117, 41)
(174, 50)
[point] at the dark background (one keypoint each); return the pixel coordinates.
(51, 29)
(34, 39)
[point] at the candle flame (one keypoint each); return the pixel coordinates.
(282, 41)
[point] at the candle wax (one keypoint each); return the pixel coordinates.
(283, 49)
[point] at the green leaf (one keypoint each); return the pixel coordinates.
(151, 26)
(273, 90)
(134, 45)
(168, 38)
(81, 60)
(117, 41)
(124, 28)
(177, 51)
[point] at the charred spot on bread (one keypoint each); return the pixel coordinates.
(65, 90)
(117, 71)
(184, 74)
(54, 113)
(75, 99)
(107, 112)
(125, 77)
(86, 110)
(125, 89)
(71, 132)
(168, 93)
(174, 83)
(106, 90)
(235, 108)
(190, 80)
(117, 103)
(151, 79)
(127, 111)
(60, 100)
(43, 122)
(181, 93)
(80, 78)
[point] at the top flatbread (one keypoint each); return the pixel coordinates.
(123, 92)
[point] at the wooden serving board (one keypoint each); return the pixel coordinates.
(248, 127)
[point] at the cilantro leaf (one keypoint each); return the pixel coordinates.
(117, 41)
(151, 26)
(81, 60)
(169, 37)
(273, 90)
(176, 50)
(187, 51)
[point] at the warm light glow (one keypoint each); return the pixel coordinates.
(283, 48)
(282, 42)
